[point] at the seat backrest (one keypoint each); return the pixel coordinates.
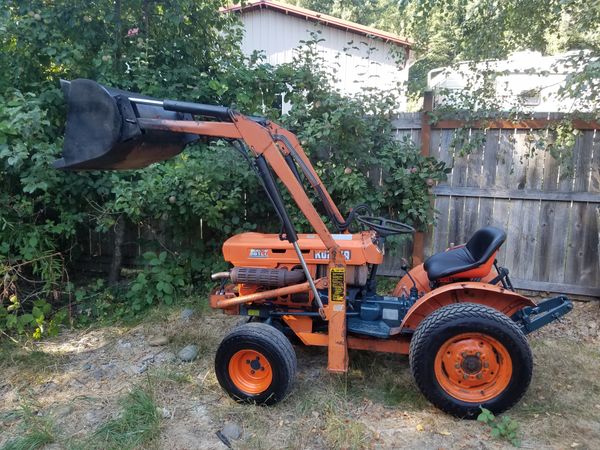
(485, 242)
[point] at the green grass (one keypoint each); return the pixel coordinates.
(36, 431)
(32, 440)
(137, 425)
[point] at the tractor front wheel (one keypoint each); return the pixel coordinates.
(465, 356)
(256, 363)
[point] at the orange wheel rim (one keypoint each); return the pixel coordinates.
(473, 367)
(250, 372)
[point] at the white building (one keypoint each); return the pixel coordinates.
(526, 78)
(359, 56)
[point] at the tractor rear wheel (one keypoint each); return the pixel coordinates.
(465, 356)
(256, 363)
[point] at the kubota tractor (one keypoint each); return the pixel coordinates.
(457, 315)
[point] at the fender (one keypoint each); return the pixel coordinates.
(505, 301)
(419, 274)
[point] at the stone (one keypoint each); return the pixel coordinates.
(164, 412)
(231, 430)
(144, 363)
(124, 344)
(187, 314)
(157, 341)
(93, 417)
(188, 353)
(63, 411)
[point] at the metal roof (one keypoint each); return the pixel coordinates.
(324, 19)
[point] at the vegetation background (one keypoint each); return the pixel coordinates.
(188, 50)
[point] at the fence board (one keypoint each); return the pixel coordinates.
(552, 219)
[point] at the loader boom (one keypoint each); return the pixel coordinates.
(270, 145)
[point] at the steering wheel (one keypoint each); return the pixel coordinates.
(385, 227)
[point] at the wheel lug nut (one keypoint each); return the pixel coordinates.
(479, 376)
(464, 354)
(486, 364)
(478, 354)
(457, 366)
(465, 376)
(252, 372)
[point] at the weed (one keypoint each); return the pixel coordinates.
(137, 425)
(171, 376)
(505, 428)
(33, 439)
(37, 430)
(345, 432)
(385, 285)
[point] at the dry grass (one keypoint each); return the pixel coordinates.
(375, 404)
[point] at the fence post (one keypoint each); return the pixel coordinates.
(419, 240)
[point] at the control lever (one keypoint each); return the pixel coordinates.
(414, 291)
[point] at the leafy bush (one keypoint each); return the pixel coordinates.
(191, 203)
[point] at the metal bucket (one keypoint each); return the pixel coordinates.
(103, 132)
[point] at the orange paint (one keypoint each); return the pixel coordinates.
(263, 295)
(250, 372)
(473, 367)
(503, 300)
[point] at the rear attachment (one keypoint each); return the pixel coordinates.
(532, 318)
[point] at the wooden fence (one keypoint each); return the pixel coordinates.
(551, 215)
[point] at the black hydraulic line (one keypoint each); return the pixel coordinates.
(312, 180)
(292, 165)
(275, 196)
(218, 112)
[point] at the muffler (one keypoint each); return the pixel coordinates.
(271, 278)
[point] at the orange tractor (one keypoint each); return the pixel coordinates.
(457, 315)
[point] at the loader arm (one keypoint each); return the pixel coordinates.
(113, 129)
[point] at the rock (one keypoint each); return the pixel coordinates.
(165, 357)
(188, 353)
(93, 417)
(144, 363)
(231, 430)
(187, 314)
(63, 411)
(200, 412)
(87, 366)
(164, 412)
(124, 344)
(157, 341)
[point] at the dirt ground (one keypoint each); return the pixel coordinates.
(77, 380)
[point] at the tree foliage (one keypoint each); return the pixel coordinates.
(447, 31)
(184, 207)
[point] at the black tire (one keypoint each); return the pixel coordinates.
(453, 320)
(268, 342)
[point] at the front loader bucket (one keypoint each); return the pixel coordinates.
(103, 132)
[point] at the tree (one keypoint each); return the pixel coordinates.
(448, 31)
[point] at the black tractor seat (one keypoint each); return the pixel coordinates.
(475, 253)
